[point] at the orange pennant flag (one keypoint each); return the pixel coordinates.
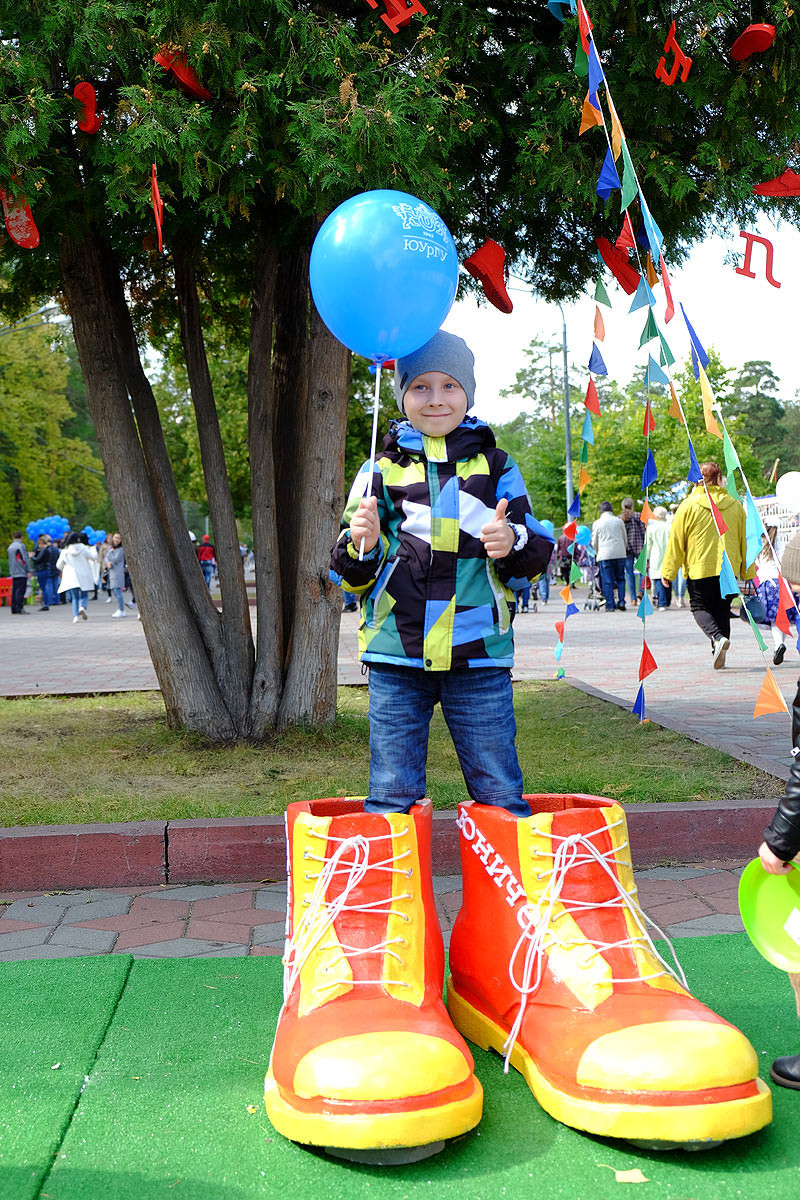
(670, 310)
(599, 327)
(560, 630)
(566, 594)
(650, 271)
(675, 408)
(646, 512)
(616, 129)
(649, 422)
(592, 401)
(589, 116)
(583, 479)
(708, 400)
(647, 664)
(769, 699)
(718, 517)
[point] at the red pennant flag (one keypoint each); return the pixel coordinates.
(627, 238)
(592, 401)
(786, 602)
(648, 664)
(560, 630)
(649, 423)
(721, 526)
(599, 326)
(158, 206)
(670, 311)
(570, 530)
(584, 26)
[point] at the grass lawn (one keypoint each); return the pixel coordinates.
(112, 758)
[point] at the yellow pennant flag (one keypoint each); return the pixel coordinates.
(769, 699)
(583, 479)
(675, 408)
(616, 129)
(589, 116)
(599, 326)
(708, 400)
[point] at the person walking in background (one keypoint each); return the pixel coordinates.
(610, 547)
(44, 560)
(115, 562)
(656, 541)
(696, 545)
(207, 557)
(77, 576)
(19, 569)
(635, 533)
(768, 590)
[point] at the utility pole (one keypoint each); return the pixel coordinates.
(567, 430)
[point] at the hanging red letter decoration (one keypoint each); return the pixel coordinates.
(158, 207)
(175, 61)
(750, 238)
(90, 120)
(19, 221)
(487, 265)
(681, 63)
(785, 184)
(755, 40)
(398, 12)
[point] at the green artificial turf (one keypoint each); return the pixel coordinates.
(166, 1111)
(53, 1018)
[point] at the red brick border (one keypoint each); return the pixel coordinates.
(239, 849)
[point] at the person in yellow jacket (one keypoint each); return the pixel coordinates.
(694, 544)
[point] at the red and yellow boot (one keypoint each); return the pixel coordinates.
(365, 1056)
(552, 966)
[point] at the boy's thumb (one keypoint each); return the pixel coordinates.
(500, 511)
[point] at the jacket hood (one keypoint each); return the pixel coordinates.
(466, 440)
(721, 498)
(75, 550)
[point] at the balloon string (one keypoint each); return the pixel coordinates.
(376, 404)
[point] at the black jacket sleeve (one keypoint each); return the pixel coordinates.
(782, 835)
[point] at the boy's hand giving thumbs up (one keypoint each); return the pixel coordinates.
(498, 537)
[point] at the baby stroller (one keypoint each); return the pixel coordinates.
(594, 597)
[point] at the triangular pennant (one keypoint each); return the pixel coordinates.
(630, 187)
(697, 349)
(647, 513)
(782, 621)
(596, 76)
(650, 330)
(584, 27)
(583, 479)
(769, 699)
(558, 651)
(570, 529)
(581, 64)
(559, 674)
(641, 561)
(599, 326)
(675, 408)
(650, 271)
(575, 575)
(592, 401)
(654, 374)
(670, 309)
(609, 179)
(587, 433)
(574, 511)
(762, 645)
(589, 116)
(566, 594)
(638, 704)
(560, 630)
(718, 517)
(708, 401)
(666, 356)
(584, 452)
(654, 235)
(786, 599)
(649, 423)
(753, 529)
(731, 457)
(645, 608)
(626, 239)
(570, 611)
(647, 663)
(731, 488)
(727, 580)
(643, 296)
(596, 364)
(600, 293)
(695, 474)
(649, 474)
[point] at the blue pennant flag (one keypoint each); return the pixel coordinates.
(638, 704)
(649, 474)
(596, 364)
(574, 509)
(645, 608)
(644, 296)
(609, 179)
(559, 650)
(727, 580)
(596, 76)
(654, 235)
(570, 611)
(695, 474)
(754, 527)
(560, 9)
(654, 374)
(587, 433)
(697, 347)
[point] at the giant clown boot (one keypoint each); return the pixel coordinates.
(551, 965)
(366, 1060)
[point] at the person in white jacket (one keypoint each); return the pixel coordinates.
(610, 545)
(76, 563)
(656, 541)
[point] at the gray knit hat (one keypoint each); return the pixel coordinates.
(444, 352)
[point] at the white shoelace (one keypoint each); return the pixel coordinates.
(538, 937)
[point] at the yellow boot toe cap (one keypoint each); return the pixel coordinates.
(380, 1066)
(671, 1056)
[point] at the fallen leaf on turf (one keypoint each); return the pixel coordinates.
(632, 1176)
(55, 1066)
(251, 1108)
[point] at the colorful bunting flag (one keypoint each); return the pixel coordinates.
(599, 326)
(592, 401)
(587, 433)
(638, 704)
(609, 179)
(644, 296)
(626, 239)
(670, 309)
(560, 630)
(559, 674)
(630, 187)
(646, 513)
(596, 364)
(589, 116)
(650, 330)
(581, 64)
(647, 664)
(769, 699)
(649, 423)
(584, 452)
(675, 408)
(575, 575)
(654, 374)
(695, 474)
(708, 401)
(616, 129)
(573, 511)
(753, 529)
(583, 480)
(697, 349)
(584, 27)
(727, 580)
(649, 474)
(645, 608)
(596, 76)
(600, 293)
(731, 457)
(559, 650)
(762, 645)
(566, 594)
(650, 271)
(718, 517)
(654, 235)
(570, 611)
(570, 529)
(641, 561)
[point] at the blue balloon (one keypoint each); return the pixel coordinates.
(383, 273)
(583, 535)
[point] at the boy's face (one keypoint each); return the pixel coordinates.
(435, 403)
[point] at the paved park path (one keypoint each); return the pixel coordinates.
(43, 653)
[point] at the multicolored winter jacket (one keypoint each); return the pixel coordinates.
(430, 596)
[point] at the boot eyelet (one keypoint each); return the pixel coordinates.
(409, 873)
(305, 853)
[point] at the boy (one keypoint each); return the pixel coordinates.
(446, 534)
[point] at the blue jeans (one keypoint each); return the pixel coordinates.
(79, 598)
(663, 593)
(633, 578)
(208, 572)
(47, 586)
(544, 588)
(478, 707)
(612, 575)
(117, 594)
